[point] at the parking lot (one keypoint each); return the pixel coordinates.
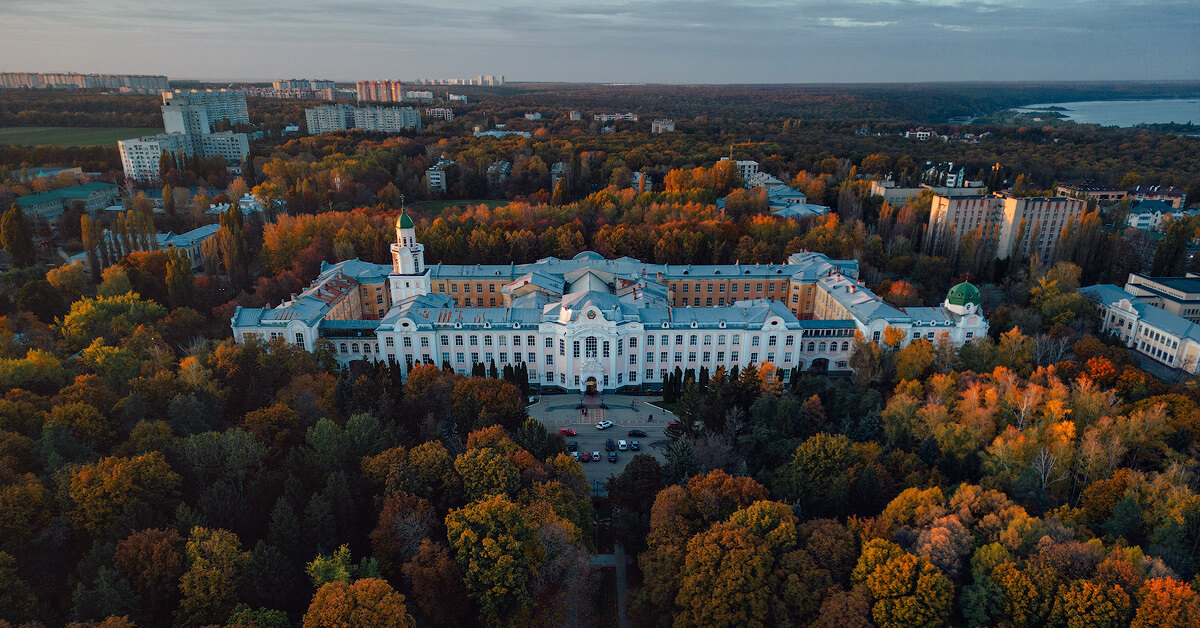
(626, 413)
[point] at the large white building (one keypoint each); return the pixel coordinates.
(1167, 338)
(328, 118)
(590, 323)
(1026, 226)
(188, 118)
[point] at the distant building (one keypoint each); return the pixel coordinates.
(217, 104)
(462, 98)
(328, 93)
(1169, 195)
(918, 134)
(436, 175)
(559, 171)
(327, 118)
(130, 83)
(443, 113)
(613, 117)
(1025, 226)
(746, 168)
(1088, 190)
(533, 115)
(1165, 337)
(50, 205)
(379, 91)
(638, 177)
(501, 133)
(662, 126)
(497, 176)
(1150, 215)
(313, 84)
(188, 118)
(1177, 295)
(575, 116)
(801, 210)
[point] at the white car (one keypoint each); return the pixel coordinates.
(603, 425)
(622, 445)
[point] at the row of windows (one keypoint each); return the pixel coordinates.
(684, 287)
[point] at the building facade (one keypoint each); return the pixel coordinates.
(131, 83)
(590, 323)
(1178, 295)
(188, 119)
(1025, 226)
(1167, 338)
(50, 205)
(328, 118)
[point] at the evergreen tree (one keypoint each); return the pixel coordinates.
(17, 237)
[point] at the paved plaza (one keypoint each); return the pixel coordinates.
(627, 412)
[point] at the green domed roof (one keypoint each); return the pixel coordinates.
(963, 294)
(404, 221)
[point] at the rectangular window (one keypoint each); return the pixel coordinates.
(531, 357)
(692, 340)
(733, 288)
(445, 358)
(391, 342)
(649, 356)
(720, 356)
(425, 342)
(562, 347)
(691, 357)
(753, 357)
(707, 357)
(708, 302)
(754, 341)
(632, 376)
(460, 357)
(458, 341)
(710, 288)
(474, 341)
(575, 349)
(487, 341)
(549, 343)
(733, 356)
(650, 340)
(549, 360)
(678, 357)
(474, 357)
(632, 359)
(790, 341)
(300, 339)
(772, 341)
(735, 339)
(620, 377)
(649, 373)
(606, 349)
(633, 343)
(516, 341)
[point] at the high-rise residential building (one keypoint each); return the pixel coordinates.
(218, 104)
(376, 119)
(1025, 226)
(313, 84)
(188, 118)
(380, 91)
(132, 83)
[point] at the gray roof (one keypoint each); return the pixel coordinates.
(1106, 293)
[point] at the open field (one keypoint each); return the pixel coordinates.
(70, 136)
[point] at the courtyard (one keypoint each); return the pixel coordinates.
(627, 412)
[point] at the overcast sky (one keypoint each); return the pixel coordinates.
(661, 41)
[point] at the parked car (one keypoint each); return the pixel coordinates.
(596, 456)
(585, 457)
(603, 425)
(674, 425)
(576, 456)
(612, 456)
(622, 445)
(609, 445)
(566, 431)
(633, 433)
(572, 446)
(634, 445)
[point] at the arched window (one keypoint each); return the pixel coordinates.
(821, 347)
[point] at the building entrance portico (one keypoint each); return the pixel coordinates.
(590, 385)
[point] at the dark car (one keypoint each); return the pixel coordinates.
(634, 445)
(633, 433)
(610, 445)
(612, 456)
(572, 446)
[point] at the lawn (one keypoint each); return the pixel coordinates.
(70, 136)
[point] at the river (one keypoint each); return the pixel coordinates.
(1127, 112)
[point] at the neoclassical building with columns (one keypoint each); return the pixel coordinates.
(590, 323)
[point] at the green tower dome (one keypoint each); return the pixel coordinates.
(404, 221)
(963, 294)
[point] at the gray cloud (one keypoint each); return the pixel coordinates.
(679, 41)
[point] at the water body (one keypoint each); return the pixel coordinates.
(1125, 112)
